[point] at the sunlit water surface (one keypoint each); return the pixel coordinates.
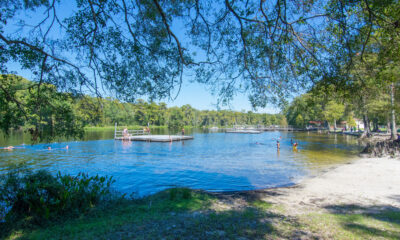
(212, 161)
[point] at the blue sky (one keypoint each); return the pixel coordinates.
(199, 97)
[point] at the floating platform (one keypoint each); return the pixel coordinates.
(155, 138)
(244, 131)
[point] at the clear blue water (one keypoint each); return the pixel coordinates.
(213, 162)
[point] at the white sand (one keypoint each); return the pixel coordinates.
(364, 182)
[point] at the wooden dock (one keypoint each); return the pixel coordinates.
(143, 135)
(155, 138)
(248, 131)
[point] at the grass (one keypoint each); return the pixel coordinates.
(182, 213)
(383, 225)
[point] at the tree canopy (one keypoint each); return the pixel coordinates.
(136, 48)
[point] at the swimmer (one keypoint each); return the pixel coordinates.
(48, 148)
(66, 147)
(8, 148)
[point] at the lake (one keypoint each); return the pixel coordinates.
(212, 161)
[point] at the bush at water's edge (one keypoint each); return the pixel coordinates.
(36, 198)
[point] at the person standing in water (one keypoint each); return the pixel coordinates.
(295, 146)
(278, 145)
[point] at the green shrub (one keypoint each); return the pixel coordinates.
(180, 193)
(40, 196)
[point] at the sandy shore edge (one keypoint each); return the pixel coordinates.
(362, 182)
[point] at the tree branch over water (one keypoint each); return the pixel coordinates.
(146, 48)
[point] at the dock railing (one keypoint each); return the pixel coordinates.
(120, 133)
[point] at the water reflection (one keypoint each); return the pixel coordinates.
(215, 162)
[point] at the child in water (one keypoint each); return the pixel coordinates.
(295, 146)
(278, 145)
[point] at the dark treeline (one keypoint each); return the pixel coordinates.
(70, 113)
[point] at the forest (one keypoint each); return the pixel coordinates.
(330, 111)
(69, 112)
(368, 94)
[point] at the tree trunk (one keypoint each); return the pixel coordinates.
(394, 129)
(375, 125)
(367, 130)
(334, 124)
(388, 126)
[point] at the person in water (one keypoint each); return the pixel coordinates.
(125, 133)
(8, 148)
(278, 145)
(183, 131)
(295, 146)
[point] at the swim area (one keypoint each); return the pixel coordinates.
(212, 161)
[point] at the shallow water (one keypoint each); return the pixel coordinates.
(212, 161)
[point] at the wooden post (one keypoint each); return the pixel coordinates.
(394, 129)
(115, 130)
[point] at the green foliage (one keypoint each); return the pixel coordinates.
(300, 121)
(179, 193)
(38, 197)
(351, 122)
(305, 108)
(131, 48)
(333, 111)
(44, 111)
(175, 118)
(52, 114)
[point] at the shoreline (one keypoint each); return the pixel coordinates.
(362, 182)
(325, 206)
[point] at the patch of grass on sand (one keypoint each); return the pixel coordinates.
(348, 225)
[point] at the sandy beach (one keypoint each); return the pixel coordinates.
(362, 182)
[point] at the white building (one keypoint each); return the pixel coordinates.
(359, 123)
